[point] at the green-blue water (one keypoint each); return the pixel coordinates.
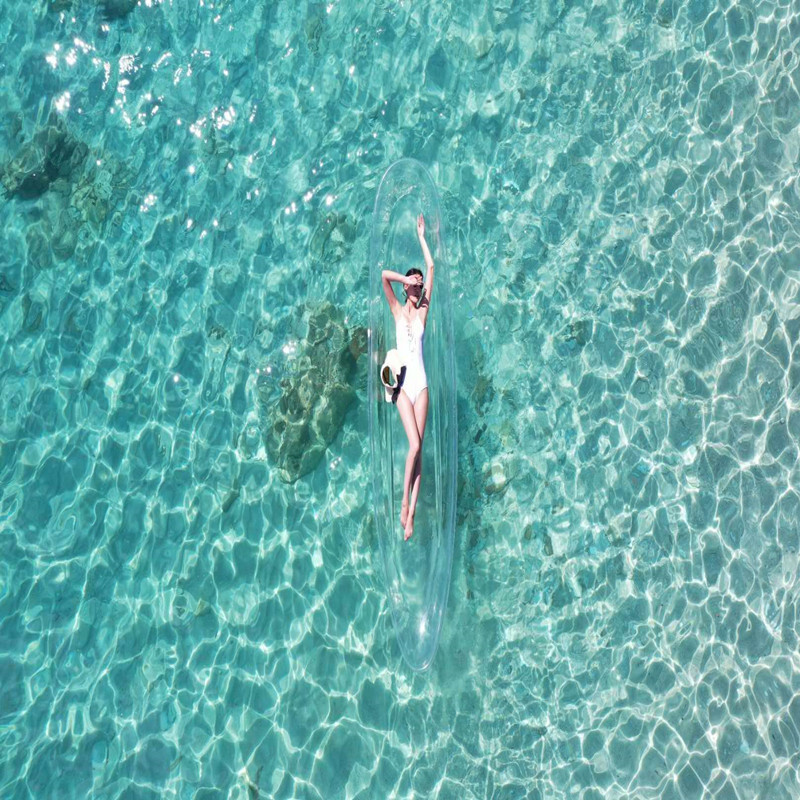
(184, 262)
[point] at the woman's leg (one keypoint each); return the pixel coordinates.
(410, 424)
(421, 418)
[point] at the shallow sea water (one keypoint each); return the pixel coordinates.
(187, 184)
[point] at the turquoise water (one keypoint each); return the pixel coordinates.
(191, 603)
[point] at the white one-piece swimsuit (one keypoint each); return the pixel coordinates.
(410, 338)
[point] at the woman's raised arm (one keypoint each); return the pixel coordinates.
(428, 258)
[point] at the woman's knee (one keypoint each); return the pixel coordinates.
(414, 446)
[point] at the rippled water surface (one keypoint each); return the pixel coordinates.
(191, 602)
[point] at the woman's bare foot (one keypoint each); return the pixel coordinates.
(404, 513)
(409, 526)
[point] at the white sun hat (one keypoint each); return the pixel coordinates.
(393, 372)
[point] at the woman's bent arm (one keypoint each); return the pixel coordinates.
(387, 276)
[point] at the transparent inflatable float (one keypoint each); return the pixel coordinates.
(416, 572)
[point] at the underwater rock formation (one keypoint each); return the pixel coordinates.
(333, 238)
(116, 9)
(315, 398)
(92, 196)
(315, 26)
(71, 188)
(54, 160)
(111, 9)
(52, 154)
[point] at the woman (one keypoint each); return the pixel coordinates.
(412, 400)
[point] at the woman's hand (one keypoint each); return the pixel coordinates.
(421, 226)
(412, 280)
